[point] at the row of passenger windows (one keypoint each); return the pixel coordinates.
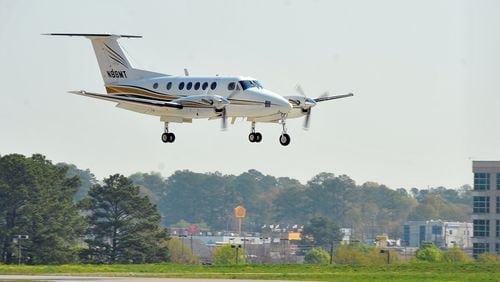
(189, 85)
(243, 84)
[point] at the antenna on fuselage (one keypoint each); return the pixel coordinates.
(186, 72)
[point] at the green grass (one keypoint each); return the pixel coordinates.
(393, 272)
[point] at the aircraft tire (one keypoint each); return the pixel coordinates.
(252, 138)
(171, 137)
(258, 137)
(165, 138)
(285, 139)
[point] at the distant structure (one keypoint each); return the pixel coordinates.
(486, 207)
(444, 234)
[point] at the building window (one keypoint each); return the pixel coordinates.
(498, 228)
(231, 86)
(196, 86)
(497, 248)
(213, 85)
(421, 234)
(498, 181)
(406, 235)
(481, 205)
(437, 230)
(169, 85)
(204, 86)
(481, 181)
(498, 204)
(479, 248)
(155, 85)
(181, 85)
(481, 228)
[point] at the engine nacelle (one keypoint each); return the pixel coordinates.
(301, 101)
(215, 101)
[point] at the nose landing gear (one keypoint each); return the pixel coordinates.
(284, 137)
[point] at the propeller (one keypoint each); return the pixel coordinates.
(224, 119)
(307, 106)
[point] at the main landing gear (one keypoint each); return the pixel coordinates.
(167, 137)
(254, 137)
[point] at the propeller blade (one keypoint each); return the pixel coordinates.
(307, 119)
(224, 119)
(300, 90)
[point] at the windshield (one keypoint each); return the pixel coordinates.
(245, 84)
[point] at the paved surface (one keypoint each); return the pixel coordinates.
(116, 279)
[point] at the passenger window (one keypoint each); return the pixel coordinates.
(231, 86)
(181, 86)
(196, 86)
(205, 85)
(213, 85)
(189, 85)
(155, 85)
(169, 85)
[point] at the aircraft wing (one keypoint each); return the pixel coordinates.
(129, 100)
(326, 98)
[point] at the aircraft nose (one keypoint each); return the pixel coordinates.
(283, 105)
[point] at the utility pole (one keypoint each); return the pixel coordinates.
(236, 251)
(331, 253)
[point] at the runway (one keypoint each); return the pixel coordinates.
(116, 279)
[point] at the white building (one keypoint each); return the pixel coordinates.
(444, 234)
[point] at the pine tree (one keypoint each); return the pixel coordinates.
(123, 226)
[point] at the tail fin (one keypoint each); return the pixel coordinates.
(113, 63)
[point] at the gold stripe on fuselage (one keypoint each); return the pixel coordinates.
(112, 90)
(140, 92)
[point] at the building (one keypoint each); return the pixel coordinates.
(486, 207)
(444, 234)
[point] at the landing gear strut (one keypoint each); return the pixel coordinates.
(167, 137)
(284, 137)
(254, 137)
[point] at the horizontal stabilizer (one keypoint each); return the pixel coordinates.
(93, 35)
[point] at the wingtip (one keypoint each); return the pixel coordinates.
(79, 92)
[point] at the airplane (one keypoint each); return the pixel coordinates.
(180, 99)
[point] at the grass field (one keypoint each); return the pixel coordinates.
(393, 272)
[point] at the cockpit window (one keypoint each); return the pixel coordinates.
(245, 84)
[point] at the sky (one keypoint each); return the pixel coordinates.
(425, 75)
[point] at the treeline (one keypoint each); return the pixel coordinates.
(69, 216)
(369, 209)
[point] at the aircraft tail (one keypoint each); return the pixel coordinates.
(113, 63)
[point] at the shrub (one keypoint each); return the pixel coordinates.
(429, 253)
(488, 258)
(455, 255)
(317, 256)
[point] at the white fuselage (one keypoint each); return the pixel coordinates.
(247, 97)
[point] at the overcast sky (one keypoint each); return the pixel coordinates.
(426, 78)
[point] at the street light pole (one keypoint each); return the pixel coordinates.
(18, 238)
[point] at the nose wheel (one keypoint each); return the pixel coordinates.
(167, 137)
(254, 137)
(285, 139)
